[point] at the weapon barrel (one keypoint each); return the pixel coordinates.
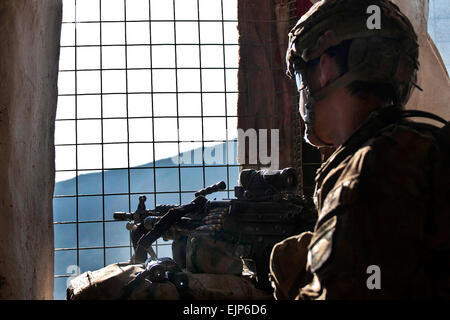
(169, 219)
(123, 216)
(211, 189)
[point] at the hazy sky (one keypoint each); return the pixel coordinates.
(90, 60)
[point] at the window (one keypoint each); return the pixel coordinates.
(146, 88)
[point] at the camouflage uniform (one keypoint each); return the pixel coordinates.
(213, 272)
(383, 197)
(107, 284)
(380, 202)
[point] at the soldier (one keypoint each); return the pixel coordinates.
(383, 196)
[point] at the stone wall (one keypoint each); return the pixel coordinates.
(29, 54)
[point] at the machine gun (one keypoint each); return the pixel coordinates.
(181, 221)
(266, 210)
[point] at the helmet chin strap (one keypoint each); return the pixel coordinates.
(309, 107)
(311, 136)
(313, 98)
(340, 82)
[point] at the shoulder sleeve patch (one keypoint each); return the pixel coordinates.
(339, 196)
(321, 245)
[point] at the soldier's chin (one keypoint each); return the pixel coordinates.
(312, 139)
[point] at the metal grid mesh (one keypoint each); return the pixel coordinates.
(137, 82)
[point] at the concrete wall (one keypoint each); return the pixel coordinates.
(29, 54)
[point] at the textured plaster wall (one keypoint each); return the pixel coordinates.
(432, 77)
(29, 54)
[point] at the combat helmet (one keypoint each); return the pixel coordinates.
(388, 54)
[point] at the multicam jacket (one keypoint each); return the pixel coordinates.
(383, 200)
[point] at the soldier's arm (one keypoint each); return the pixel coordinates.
(288, 266)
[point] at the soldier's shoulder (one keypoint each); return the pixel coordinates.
(403, 135)
(399, 151)
(399, 145)
(397, 156)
